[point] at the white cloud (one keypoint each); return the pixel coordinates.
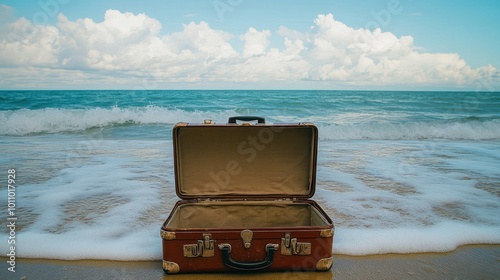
(200, 38)
(24, 44)
(256, 42)
(121, 41)
(341, 53)
(126, 48)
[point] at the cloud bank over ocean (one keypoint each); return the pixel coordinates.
(127, 49)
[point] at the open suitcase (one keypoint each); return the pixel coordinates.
(245, 189)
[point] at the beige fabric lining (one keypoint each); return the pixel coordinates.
(245, 215)
(245, 160)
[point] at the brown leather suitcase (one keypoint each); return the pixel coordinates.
(245, 189)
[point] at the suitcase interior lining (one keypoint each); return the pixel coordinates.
(245, 161)
(245, 215)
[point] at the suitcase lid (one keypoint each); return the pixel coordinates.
(248, 160)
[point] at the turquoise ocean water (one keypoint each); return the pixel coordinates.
(398, 172)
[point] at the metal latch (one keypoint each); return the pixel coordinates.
(290, 246)
(203, 248)
(246, 235)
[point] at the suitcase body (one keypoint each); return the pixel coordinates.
(246, 202)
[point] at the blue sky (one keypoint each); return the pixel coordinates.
(421, 44)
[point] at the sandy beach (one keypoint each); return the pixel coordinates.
(468, 262)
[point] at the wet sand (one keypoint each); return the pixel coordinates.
(468, 262)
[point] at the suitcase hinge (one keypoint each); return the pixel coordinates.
(203, 248)
(207, 199)
(290, 246)
(286, 200)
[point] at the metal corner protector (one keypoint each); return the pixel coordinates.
(324, 264)
(170, 267)
(327, 232)
(168, 235)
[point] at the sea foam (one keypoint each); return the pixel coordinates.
(398, 172)
(52, 120)
(471, 130)
(383, 196)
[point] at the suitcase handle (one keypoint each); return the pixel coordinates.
(250, 266)
(246, 119)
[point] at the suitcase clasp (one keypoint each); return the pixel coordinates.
(203, 248)
(290, 246)
(246, 235)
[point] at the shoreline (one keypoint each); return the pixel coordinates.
(466, 262)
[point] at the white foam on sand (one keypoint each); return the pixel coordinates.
(107, 205)
(409, 197)
(109, 200)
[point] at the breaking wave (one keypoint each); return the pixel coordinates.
(53, 120)
(470, 130)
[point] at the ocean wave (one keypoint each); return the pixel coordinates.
(54, 120)
(455, 130)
